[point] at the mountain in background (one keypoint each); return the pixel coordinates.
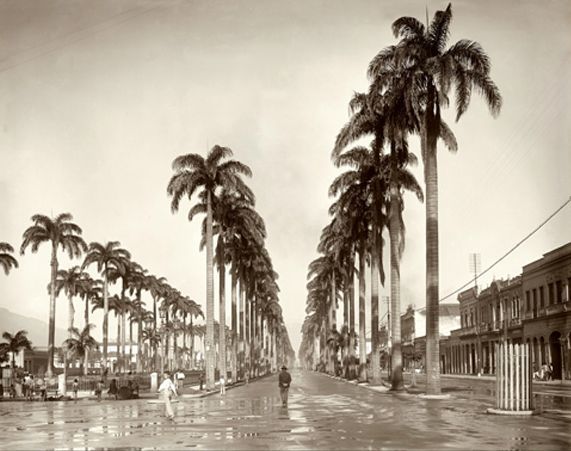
(37, 329)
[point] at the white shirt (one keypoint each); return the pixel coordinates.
(167, 385)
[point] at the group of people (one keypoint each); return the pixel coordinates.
(169, 389)
(544, 373)
(26, 386)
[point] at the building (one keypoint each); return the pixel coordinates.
(532, 308)
(413, 331)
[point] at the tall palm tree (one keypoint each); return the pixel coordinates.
(92, 290)
(15, 343)
(7, 261)
(79, 343)
(433, 70)
(60, 232)
(105, 257)
(194, 172)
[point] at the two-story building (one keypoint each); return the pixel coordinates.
(533, 308)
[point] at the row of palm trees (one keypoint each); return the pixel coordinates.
(409, 84)
(113, 264)
(258, 337)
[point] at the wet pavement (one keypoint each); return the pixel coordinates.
(323, 413)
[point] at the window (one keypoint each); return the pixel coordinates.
(551, 297)
(541, 298)
(559, 292)
(527, 305)
(534, 299)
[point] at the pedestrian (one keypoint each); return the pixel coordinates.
(41, 383)
(222, 385)
(113, 390)
(99, 389)
(1, 391)
(167, 390)
(75, 388)
(180, 376)
(201, 380)
(31, 384)
(284, 381)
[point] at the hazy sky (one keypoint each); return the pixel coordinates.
(99, 97)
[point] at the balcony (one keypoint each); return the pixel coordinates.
(528, 315)
(557, 308)
(515, 322)
(470, 330)
(484, 327)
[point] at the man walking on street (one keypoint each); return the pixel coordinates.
(284, 381)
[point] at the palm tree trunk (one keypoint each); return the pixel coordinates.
(394, 232)
(345, 351)
(432, 308)
(352, 333)
(362, 318)
(184, 339)
(70, 313)
(241, 320)
(105, 318)
(233, 321)
(140, 345)
(118, 354)
(130, 345)
(210, 348)
(375, 357)
(122, 361)
(222, 308)
(333, 325)
(51, 325)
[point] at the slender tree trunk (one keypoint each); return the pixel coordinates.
(155, 347)
(70, 313)
(184, 340)
(85, 362)
(105, 319)
(362, 319)
(333, 324)
(167, 340)
(247, 335)
(191, 344)
(233, 320)
(242, 319)
(222, 308)
(118, 361)
(352, 332)
(51, 325)
(130, 345)
(210, 349)
(375, 356)
(345, 351)
(394, 232)
(140, 345)
(432, 308)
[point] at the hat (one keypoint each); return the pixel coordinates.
(284, 367)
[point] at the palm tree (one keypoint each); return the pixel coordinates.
(105, 257)
(15, 343)
(432, 70)
(193, 172)
(60, 232)
(7, 261)
(79, 343)
(91, 291)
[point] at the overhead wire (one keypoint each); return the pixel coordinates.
(529, 235)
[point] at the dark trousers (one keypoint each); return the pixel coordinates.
(284, 391)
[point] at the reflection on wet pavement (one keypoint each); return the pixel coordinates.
(323, 413)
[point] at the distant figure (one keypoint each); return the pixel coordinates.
(284, 381)
(99, 389)
(1, 391)
(179, 381)
(75, 388)
(167, 390)
(222, 385)
(31, 384)
(113, 388)
(201, 380)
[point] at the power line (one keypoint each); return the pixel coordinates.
(511, 250)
